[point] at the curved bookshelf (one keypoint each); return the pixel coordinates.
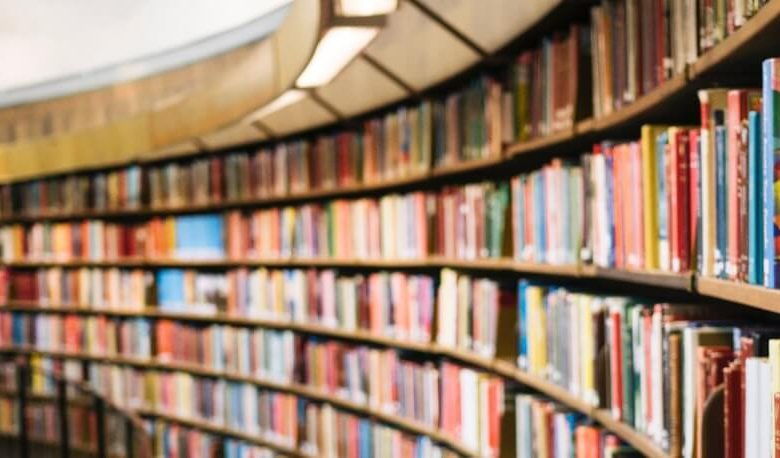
(739, 46)
(766, 21)
(703, 287)
(502, 368)
(408, 425)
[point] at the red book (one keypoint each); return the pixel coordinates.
(693, 195)
(732, 405)
(611, 155)
(216, 172)
(737, 109)
(636, 207)
(679, 202)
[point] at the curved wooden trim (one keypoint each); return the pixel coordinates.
(498, 264)
(201, 97)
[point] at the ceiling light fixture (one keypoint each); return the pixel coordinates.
(365, 7)
(287, 98)
(335, 50)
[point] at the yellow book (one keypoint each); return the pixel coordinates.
(587, 353)
(37, 378)
(650, 194)
(170, 236)
(537, 339)
(461, 317)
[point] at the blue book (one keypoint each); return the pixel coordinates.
(17, 331)
(721, 196)
(608, 167)
(200, 236)
(755, 201)
(366, 447)
(522, 313)
(661, 143)
(539, 226)
(771, 159)
(170, 288)
(136, 185)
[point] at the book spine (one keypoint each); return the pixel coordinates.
(755, 201)
(769, 151)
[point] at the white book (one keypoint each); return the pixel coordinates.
(469, 414)
(693, 338)
(448, 299)
(765, 425)
(524, 426)
(753, 393)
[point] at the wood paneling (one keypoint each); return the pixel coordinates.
(418, 50)
(360, 88)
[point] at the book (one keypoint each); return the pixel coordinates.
(770, 171)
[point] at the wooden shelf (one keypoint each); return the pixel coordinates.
(741, 293)
(665, 280)
(634, 112)
(636, 439)
(540, 143)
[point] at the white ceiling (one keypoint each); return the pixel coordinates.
(46, 40)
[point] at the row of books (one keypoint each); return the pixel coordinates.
(294, 422)
(318, 429)
(545, 428)
(474, 314)
(548, 87)
(325, 432)
(637, 45)
(407, 141)
(629, 48)
(677, 373)
(394, 304)
(466, 222)
(97, 288)
(706, 202)
(96, 335)
(42, 423)
(378, 378)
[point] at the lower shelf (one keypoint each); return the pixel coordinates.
(502, 368)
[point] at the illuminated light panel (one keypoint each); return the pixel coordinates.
(365, 7)
(334, 51)
(286, 99)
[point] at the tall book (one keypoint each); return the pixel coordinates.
(711, 101)
(771, 169)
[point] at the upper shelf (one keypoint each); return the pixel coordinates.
(201, 106)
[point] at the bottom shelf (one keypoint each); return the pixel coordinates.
(503, 368)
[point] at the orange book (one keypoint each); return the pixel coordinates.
(73, 333)
(164, 339)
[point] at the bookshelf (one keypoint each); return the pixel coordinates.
(746, 44)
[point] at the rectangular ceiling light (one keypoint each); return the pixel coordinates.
(334, 51)
(365, 7)
(286, 99)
